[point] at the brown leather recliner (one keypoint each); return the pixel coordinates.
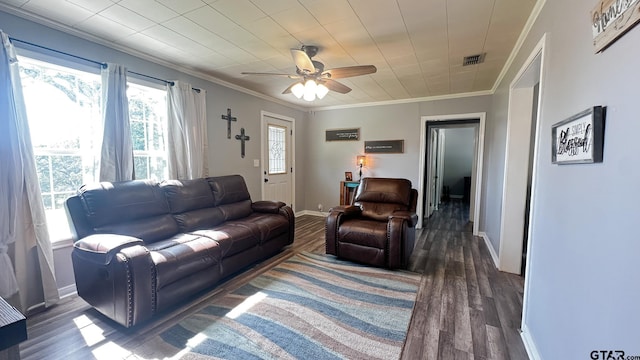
(379, 229)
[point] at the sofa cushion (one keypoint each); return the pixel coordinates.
(117, 202)
(199, 219)
(364, 232)
(187, 195)
(181, 256)
(150, 229)
(232, 239)
(237, 210)
(228, 189)
(264, 226)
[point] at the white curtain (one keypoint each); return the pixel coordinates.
(23, 228)
(116, 157)
(188, 144)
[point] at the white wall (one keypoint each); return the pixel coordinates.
(458, 158)
(327, 161)
(583, 275)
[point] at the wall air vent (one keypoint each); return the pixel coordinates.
(473, 59)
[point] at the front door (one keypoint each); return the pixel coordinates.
(277, 159)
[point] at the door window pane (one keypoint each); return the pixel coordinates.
(277, 149)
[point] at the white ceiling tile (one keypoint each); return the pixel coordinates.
(105, 28)
(92, 5)
(17, 3)
(150, 9)
(295, 19)
(274, 6)
(195, 32)
(127, 17)
(265, 28)
(59, 10)
(328, 11)
(182, 6)
(240, 11)
(144, 43)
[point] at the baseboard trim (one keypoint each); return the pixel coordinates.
(312, 213)
(492, 251)
(67, 291)
(529, 344)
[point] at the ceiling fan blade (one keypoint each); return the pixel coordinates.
(349, 71)
(303, 61)
(290, 76)
(336, 86)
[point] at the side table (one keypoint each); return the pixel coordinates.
(13, 330)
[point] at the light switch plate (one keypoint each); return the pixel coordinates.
(256, 162)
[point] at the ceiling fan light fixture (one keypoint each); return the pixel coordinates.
(321, 91)
(310, 90)
(298, 90)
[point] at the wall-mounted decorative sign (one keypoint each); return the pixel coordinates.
(611, 19)
(342, 135)
(384, 146)
(580, 138)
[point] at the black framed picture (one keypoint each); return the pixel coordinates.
(580, 138)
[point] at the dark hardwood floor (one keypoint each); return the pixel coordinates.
(465, 308)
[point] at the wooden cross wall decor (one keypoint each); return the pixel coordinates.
(229, 119)
(242, 137)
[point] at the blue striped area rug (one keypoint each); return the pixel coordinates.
(307, 307)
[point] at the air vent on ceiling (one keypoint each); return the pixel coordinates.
(473, 59)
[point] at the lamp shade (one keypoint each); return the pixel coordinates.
(310, 90)
(321, 91)
(361, 160)
(298, 90)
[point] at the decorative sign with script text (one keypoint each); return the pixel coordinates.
(611, 19)
(342, 135)
(579, 139)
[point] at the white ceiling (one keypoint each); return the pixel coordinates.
(417, 45)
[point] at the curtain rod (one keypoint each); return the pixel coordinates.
(101, 64)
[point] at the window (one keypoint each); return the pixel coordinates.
(277, 149)
(148, 118)
(64, 110)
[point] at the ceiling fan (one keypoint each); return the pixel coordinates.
(315, 81)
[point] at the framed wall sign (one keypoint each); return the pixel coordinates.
(580, 138)
(342, 135)
(384, 146)
(611, 19)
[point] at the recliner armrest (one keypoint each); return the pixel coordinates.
(409, 216)
(265, 206)
(346, 210)
(101, 248)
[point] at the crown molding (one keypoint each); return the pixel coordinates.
(405, 101)
(537, 9)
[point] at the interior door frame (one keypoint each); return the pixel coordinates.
(476, 185)
(263, 156)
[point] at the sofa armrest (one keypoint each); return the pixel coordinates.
(334, 219)
(116, 275)
(101, 248)
(409, 216)
(266, 206)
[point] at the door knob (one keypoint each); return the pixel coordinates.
(266, 180)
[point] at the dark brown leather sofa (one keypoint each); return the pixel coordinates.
(379, 228)
(142, 247)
